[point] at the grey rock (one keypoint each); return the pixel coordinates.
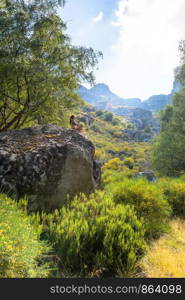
(102, 97)
(47, 163)
(149, 175)
(88, 119)
(136, 135)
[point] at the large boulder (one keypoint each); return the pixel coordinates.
(47, 163)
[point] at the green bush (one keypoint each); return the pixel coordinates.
(113, 164)
(21, 252)
(174, 191)
(110, 176)
(108, 116)
(148, 129)
(99, 113)
(95, 235)
(130, 126)
(95, 128)
(115, 122)
(148, 200)
(129, 162)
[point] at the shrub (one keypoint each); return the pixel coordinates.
(174, 191)
(113, 164)
(95, 128)
(99, 113)
(95, 235)
(113, 176)
(114, 171)
(129, 162)
(130, 126)
(148, 200)
(115, 122)
(108, 116)
(21, 252)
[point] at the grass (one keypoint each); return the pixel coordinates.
(166, 256)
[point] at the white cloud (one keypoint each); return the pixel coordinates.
(98, 18)
(147, 50)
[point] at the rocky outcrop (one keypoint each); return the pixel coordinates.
(47, 163)
(137, 116)
(102, 97)
(136, 136)
(149, 175)
(88, 119)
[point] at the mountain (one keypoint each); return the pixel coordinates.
(156, 102)
(102, 97)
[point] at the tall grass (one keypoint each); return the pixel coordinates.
(166, 256)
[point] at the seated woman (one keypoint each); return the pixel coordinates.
(73, 122)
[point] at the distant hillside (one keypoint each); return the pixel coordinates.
(102, 97)
(156, 102)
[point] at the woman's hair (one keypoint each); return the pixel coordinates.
(71, 118)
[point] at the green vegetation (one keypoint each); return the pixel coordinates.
(169, 146)
(95, 235)
(109, 231)
(39, 68)
(21, 251)
(148, 201)
(108, 116)
(165, 257)
(174, 191)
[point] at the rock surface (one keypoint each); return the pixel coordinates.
(137, 116)
(149, 175)
(47, 163)
(88, 119)
(136, 135)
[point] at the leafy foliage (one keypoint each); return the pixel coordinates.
(148, 201)
(174, 191)
(129, 162)
(113, 164)
(169, 147)
(39, 68)
(108, 116)
(21, 252)
(94, 236)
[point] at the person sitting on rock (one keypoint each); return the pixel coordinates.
(73, 122)
(75, 125)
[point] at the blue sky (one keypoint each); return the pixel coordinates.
(138, 38)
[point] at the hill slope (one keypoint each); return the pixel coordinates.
(102, 97)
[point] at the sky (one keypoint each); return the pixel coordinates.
(139, 40)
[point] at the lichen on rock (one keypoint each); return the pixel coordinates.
(47, 163)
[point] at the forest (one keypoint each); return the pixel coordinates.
(128, 225)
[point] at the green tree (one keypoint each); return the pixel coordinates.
(39, 68)
(108, 116)
(169, 146)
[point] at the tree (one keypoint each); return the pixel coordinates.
(39, 68)
(169, 146)
(108, 116)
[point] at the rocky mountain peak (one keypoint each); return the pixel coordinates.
(101, 89)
